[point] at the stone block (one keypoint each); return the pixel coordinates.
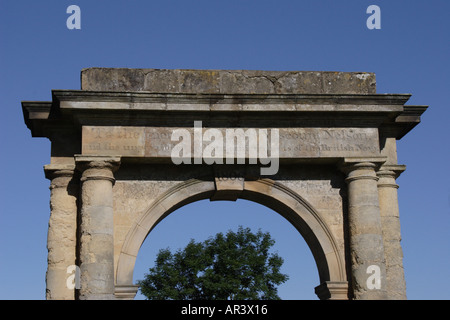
(227, 81)
(156, 142)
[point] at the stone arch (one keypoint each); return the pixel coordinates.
(287, 203)
(125, 116)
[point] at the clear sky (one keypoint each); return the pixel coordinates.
(409, 54)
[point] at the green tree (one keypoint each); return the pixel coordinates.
(235, 266)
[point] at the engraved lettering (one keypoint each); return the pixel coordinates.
(230, 145)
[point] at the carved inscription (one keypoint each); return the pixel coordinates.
(328, 142)
(129, 141)
(293, 142)
(158, 142)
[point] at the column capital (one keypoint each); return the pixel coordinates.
(387, 175)
(59, 170)
(88, 162)
(97, 167)
(60, 175)
(361, 167)
(391, 170)
(349, 164)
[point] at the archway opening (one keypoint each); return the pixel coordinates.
(202, 219)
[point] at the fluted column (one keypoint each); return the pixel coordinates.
(96, 228)
(365, 232)
(62, 228)
(390, 221)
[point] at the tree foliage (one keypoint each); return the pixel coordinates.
(235, 266)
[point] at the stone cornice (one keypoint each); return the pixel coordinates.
(303, 104)
(404, 122)
(107, 100)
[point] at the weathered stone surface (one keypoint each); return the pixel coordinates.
(61, 238)
(293, 142)
(365, 230)
(226, 81)
(335, 183)
(390, 218)
(96, 228)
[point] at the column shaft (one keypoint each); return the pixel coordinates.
(390, 221)
(96, 230)
(62, 228)
(365, 233)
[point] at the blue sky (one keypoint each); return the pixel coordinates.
(409, 54)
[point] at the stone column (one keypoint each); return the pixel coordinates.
(96, 228)
(62, 229)
(390, 222)
(365, 232)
